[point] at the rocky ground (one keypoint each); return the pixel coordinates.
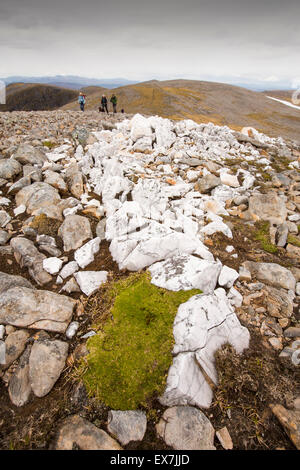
(85, 200)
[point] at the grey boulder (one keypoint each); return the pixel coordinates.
(38, 309)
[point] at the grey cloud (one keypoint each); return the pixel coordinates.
(151, 37)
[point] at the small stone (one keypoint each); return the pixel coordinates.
(292, 332)
(224, 438)
(2, 353)
(5, 218)
(229, 180)
(19, 210)
(244, 274)
(90, 281)
(186, 428)
(276, 343)
(83, 434)
(70, 286)
(69, 269)
(71, 330)
(127, 426)
(88, 335)
(46, 362)
(15, 344)
(293, 250)
(19, 385)
(290, 420)
(2, 331)
(227, 277)
(52, 265)
(85, 255)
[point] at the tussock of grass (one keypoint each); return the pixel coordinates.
(263, 235)
(129, 358)
(48, 144)
(293, 240)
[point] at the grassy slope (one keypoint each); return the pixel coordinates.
(203, 102)
(35, 97)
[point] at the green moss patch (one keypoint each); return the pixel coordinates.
(262, 234)
(49, 144)
(130, 356)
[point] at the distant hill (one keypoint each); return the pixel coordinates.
(36, 97)
(218, 103)
(70, 81)
(280, 94)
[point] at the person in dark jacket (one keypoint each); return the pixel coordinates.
(81, 101)
(114, 101)
(104, 103)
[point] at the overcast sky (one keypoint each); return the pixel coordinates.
(140, 40)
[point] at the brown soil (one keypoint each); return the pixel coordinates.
(248, 384)
(246, 246)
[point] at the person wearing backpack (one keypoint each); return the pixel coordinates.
(104, 103)
(81, 101)
(114, 101)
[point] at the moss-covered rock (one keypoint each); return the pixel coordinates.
(130, 356)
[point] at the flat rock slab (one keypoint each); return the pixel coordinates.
(272, 273)
(202, 325)
(90, 281)
(38, 309)
(158, 248)
(74, 231)
(76, 431)
(127, 426)
(186, 428)
(19, 388)
(268, 207)
(8, 280)
(46, 362)
(185, 272)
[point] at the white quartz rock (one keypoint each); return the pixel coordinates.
(235, 297)
(185, 272)
(69, 269)
(90, 281)
(72, 328)
(229, 180)
(202, 325)
(216, 226)
(85, 255)
(140, 127)
(52, 265)
(227, 277)
(157, 248)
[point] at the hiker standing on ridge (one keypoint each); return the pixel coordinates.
(104, 103)
(81, 101)
(114, 100)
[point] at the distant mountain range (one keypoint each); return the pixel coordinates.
(70, 81)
